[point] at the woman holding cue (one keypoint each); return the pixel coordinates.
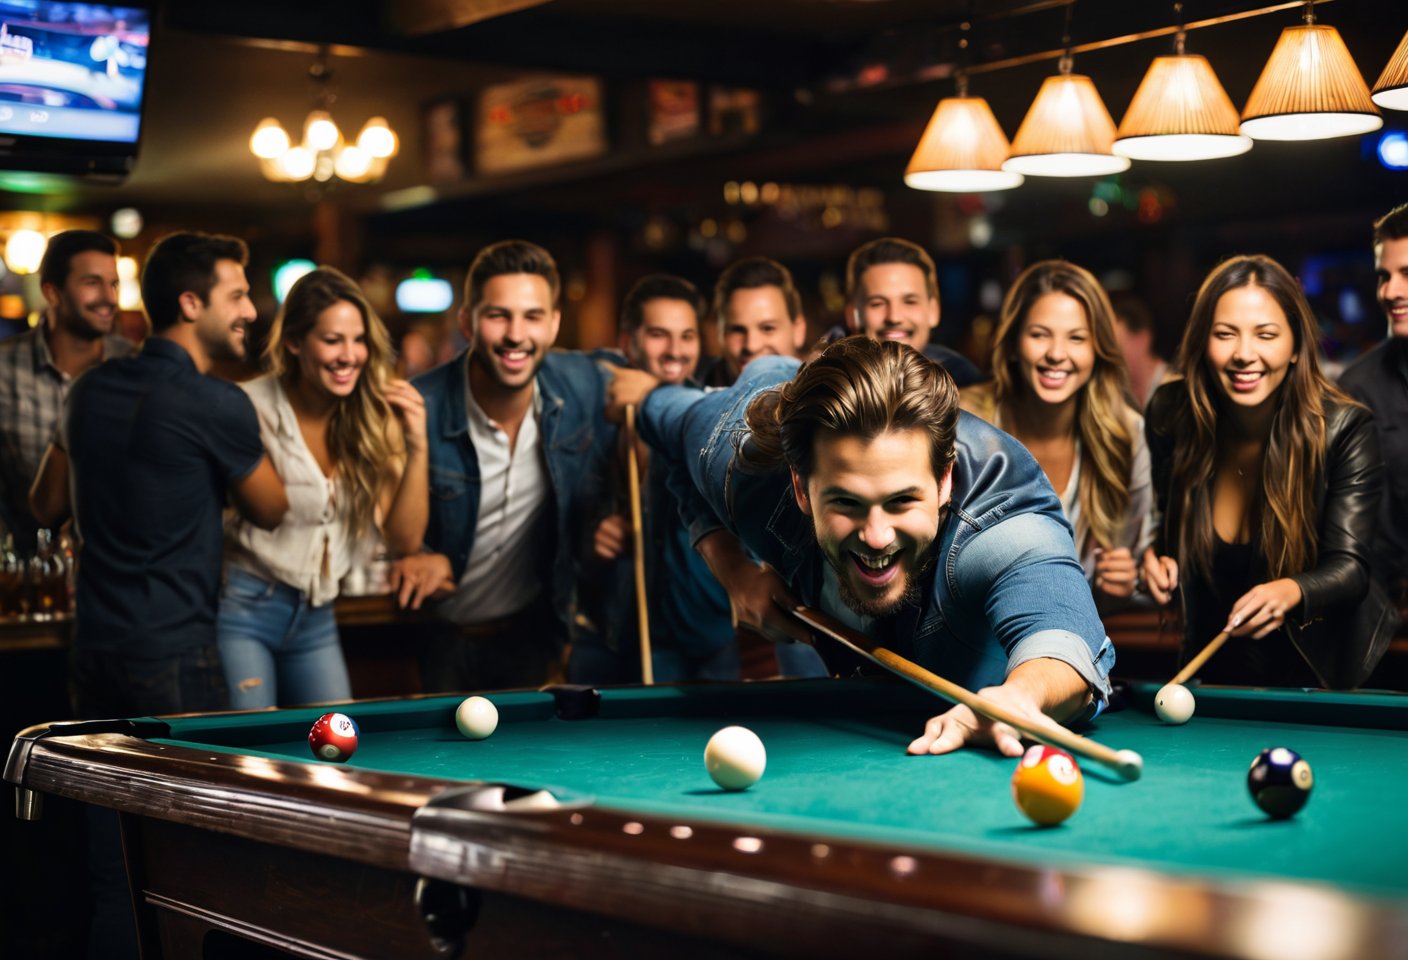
(1267, 480)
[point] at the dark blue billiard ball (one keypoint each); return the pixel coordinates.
(1280, 781)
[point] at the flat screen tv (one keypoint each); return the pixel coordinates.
(72, 79)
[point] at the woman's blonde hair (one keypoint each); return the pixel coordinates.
(1103, 406)
(364, 436)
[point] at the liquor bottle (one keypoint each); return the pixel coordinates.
(11, 578)
(48, 579)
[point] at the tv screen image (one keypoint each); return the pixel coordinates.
(72, 71)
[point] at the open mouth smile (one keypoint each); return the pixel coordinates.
(514, 359)
(876, 571)
(1244, 381)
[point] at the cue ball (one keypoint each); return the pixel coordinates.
(1280, 781)
(1174, 703)
(333, 737)
(1047, 785)
(735, 758)
(477, 718)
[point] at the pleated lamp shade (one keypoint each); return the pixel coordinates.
(1391, 92)
(1067, 132)
(962, 150)
(1310, 89)
(1180, 112)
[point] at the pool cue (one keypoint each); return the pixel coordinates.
(647, 671)
(1128, 764)
(1196, 664)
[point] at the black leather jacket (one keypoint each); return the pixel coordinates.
(1344, 622)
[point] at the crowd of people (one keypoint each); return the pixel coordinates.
(980, 525)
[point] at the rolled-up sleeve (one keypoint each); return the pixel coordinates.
(663, 423)
(1024, 573)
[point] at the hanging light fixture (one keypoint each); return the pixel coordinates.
(962, 149)
(1391, 92)
(1180, 111)
(1310, 88)
(323, 154)
(1067, 132)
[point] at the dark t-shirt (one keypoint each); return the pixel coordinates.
(153, 447)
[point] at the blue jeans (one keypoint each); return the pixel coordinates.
(277, 650)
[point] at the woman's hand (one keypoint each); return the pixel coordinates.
(420, 577)
(409, 407)
(1160, 576)
(1116, 573)
(1263, 608)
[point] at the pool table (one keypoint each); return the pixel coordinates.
(586, 825)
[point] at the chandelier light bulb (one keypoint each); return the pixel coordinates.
(353, 163)
(25, 250)
(319, 132)
(269, 140)
(378, 139)
(298, 163)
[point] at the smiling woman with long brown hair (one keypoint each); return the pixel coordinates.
(348, 441)
(1268, 479)
(1059, 386)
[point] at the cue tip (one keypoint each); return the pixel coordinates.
(1131, 764)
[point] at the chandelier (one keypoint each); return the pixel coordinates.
(323, 154)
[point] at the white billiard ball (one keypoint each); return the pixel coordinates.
(735, 758)
(1174, 703)
(477, 718)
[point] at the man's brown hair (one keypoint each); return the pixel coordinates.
(858, 387)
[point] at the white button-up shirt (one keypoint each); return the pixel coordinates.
(311, 549)
(507, 568)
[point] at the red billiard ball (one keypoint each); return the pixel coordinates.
(1280, 781)
(333, 737)
(1047, 785)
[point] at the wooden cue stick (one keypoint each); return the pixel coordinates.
(647, 670)
(1128, 764)
(1196, 664)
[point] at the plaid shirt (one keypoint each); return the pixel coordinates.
(32, 392)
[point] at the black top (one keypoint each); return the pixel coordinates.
(1269, 661)
(1341, 627)
(1379, 380)
(153, 447)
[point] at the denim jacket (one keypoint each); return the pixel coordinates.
(1007, 586)
(577, 442)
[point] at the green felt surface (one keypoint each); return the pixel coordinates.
(837, 768)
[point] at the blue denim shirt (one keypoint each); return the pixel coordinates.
(1007, 586)
(577, 443)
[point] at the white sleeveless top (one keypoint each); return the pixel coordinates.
(312, 549)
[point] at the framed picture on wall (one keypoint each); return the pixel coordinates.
(734, 110)
(674, 110)
(539, 121)
(443, 128)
